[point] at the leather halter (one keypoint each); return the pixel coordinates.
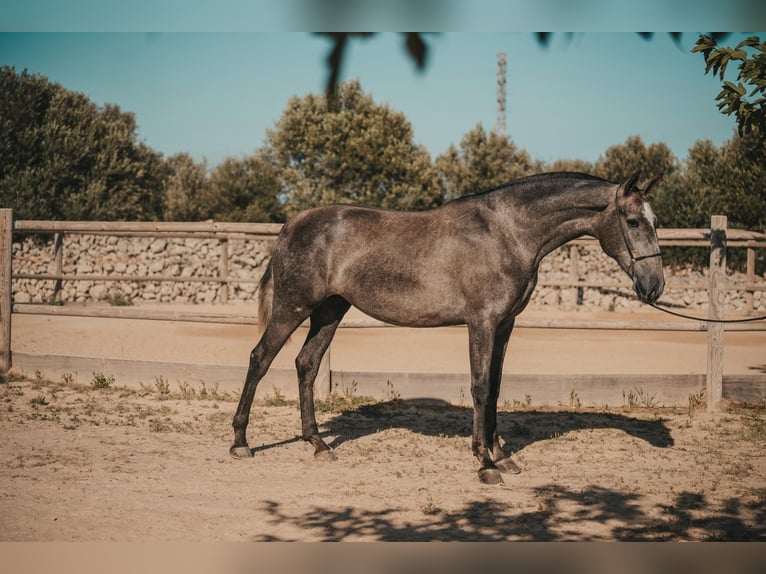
(623, 228)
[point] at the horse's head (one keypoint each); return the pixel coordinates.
(628, 234)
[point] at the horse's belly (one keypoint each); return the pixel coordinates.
(409, 309)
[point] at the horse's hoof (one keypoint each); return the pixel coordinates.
(241, 452)
(325, 455)
(490, 476)
(507, 466)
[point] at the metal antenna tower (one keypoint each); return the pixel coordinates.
(501, 80)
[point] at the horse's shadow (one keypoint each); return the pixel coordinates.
(518, 428)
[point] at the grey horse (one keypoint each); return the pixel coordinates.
(472, 261)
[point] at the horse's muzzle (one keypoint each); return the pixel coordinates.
(649, 289)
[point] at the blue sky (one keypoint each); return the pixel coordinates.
(215, 94)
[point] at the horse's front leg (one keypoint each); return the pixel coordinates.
(502, 459)
(481, 342)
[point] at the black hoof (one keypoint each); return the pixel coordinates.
(507, 466)
(325, 455)
(241, 451)
(490, 476)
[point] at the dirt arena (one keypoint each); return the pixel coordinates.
(91, 459)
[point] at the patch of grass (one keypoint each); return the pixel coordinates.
(39, 401)
(162, 386)
(337, 403)
(753, 421)
(187, 391)
(637, 397)
(11, 377)
(343, 401)
(101, 381)
(117, 300)
(696, 402)
(214, 393)
(278, 400)
(391, 393)
(516, 403)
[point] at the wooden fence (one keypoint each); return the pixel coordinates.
(718, 239)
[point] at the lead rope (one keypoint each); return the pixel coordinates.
(682, 316)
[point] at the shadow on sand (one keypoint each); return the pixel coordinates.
(560, 511)
(691, 516)
(518, 428)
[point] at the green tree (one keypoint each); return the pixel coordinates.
(484, 161)
(730, 180)
(186, 189)
(62, 157)
(247, 189)
(577, 165)
(621, 161)
(748, 108)
(348, 149)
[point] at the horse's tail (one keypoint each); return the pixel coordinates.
(265, 297)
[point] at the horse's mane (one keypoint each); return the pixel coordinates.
(543, 180)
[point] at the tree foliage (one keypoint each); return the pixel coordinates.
(748, 108)
(621, 161)
(484, 161)
(247, 189)
(348, 149)
(62, 157)
(728, 180)
(186, 189)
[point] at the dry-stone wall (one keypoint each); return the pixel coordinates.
(109, 255)
(139, 256)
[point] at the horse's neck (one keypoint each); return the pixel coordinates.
(548, 220)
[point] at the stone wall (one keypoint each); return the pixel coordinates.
(109, 255)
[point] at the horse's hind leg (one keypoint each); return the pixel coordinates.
(279, 329)
(324, 321)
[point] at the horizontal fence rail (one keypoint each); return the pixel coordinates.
(224, 232)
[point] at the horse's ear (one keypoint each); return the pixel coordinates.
(630, 184)
(647, 186)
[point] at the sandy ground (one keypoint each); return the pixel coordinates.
(79, 463)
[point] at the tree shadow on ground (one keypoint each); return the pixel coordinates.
(518, 428)
(561, 515)
(554, 513)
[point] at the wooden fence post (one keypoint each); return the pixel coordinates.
(58, 265)
(749, 299)
(6, 292)
(716, 310)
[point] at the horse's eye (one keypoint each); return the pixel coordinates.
(633, 223)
